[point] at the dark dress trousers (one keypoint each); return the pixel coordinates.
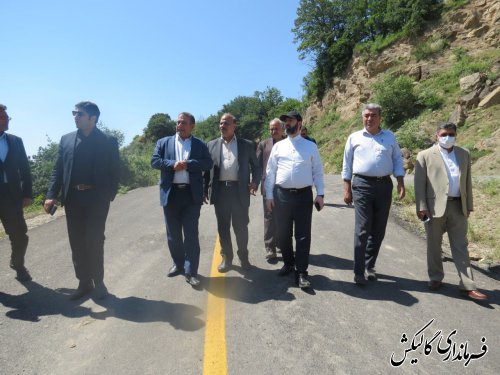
(182, 202)
(12, 192)
(263, 151)
(85, 176)
(232, 200)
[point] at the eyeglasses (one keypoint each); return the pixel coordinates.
(78, 113)
(447, 135)
(368, 115)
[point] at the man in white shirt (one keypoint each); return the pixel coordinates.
(371, 155)
(293, 167)
(443, 195)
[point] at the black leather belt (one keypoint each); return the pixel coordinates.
(294, 190)
(373, 178)
(83, 187)
(180, 186)
(453, 198)
(228, 183)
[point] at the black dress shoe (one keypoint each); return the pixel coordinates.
(435, 285)
(302, 281)
(360, 280)
(100, 291)
(192, 280)
(174, 271)
(84, 288)
(225, 265)
(245, 264)
(22, 273)
(285, 270)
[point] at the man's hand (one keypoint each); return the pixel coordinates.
(401, 187)
(422, 214)
(180, 165)
(347, 192)
(26, 202)
(269, 204)
(401, 191)
(320, 201)
(47, 205)
(205, 199)
(252, 187)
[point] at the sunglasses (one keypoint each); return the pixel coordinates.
(78, 113)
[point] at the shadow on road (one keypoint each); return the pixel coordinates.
(390, 288)
(179, 315)
(40, 301)
(254, 286)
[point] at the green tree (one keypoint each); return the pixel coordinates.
(117, 134)
(159, 125)
(41, 165)
(328, 30)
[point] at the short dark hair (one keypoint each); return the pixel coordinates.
(3, 107)
(446, 125)
(187, 114)
(91, 108)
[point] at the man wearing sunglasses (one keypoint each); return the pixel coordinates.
(443, 195)
(15, 193)
(85, 175)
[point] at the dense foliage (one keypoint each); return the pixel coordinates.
(328, 30)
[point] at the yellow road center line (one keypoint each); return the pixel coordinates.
(215, 357)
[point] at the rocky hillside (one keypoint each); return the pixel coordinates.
(468, 92)
(474, 29)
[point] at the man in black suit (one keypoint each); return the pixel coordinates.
(15, 194)
(276, 128)
(228, 188)
(86, 175)
(182, 158)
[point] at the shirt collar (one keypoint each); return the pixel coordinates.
(231, 141)
(178, 138)
(3, 136)
(366, 132)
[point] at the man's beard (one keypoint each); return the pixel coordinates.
(292, 129)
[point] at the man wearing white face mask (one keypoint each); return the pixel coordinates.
(443, 194)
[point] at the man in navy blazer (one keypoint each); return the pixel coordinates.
(228, 188)
(15, 193)
(182, 158)
(85, 176)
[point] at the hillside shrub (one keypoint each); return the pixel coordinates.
(398, 100)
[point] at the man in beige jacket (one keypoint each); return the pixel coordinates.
(443, 194)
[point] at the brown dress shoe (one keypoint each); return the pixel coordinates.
(474, 295)
(435, 285)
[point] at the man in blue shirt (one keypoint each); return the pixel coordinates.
(371, 155)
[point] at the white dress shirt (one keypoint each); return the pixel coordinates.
(182, 151)
(294, 163)
(372, 155)
(229, 160)
(453, 172)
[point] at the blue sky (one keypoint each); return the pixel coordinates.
(138, 58)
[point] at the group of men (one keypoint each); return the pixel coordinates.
(226, 172)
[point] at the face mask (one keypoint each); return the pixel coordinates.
(447, 142)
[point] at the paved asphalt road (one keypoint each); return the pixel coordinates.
(152, 324)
